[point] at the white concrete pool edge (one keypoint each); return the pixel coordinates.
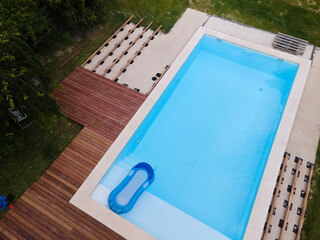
(260, 208)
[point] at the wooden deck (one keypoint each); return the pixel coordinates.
(97, 102)
(44, 212)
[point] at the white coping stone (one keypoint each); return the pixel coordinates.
(304, 136)
(248, 33)
(152, 212)
(260, 208)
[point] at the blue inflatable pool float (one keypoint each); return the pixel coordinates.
(124, 196)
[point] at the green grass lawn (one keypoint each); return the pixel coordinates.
(298, 18)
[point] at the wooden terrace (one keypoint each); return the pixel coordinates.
(104, 108)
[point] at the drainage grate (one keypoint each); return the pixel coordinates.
(289, 44)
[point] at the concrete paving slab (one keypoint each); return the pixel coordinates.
(162, 51)
(304, 136)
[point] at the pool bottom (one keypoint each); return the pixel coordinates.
(150, 213)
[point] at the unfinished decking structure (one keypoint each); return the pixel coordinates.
(44, 212)
(289, 203)
(115, 55)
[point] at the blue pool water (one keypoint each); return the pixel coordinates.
(209, 135)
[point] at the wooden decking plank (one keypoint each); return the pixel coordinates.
(84, 154)
(104, 128)
(82, 149)
(80, 159)
(91, 147)
(75, 167)
(58, 185)
(25, 226)
(93, 106)
(41, 230)
(64, 176)
(63, 190)
(105, 86)
(10, 231)
(41, 219)
(4, 237)
(62, 220)
(17, 229)
(72, 220)
(83, 163)
(86, 120)
(62, 180)
(90, 108)
(87, 73)
(98, 102)
(5, 233)
(74, 211)
(91, 124)
(104, 108)
(96, 137)
(68, 172)
(101, 145)
(52, 199)
(44, 212)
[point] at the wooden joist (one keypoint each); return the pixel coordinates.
(155, 84)
(290, 200)
(109, 39)
(117, 44)
(137, 52)
(305, 201)
(265, 234)
(126, 50)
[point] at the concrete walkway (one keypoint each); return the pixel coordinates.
(304, 136)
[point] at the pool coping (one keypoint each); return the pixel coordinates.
(254, 228)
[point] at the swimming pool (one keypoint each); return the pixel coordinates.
(208, 137)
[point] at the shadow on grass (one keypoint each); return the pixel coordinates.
(40, 150)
